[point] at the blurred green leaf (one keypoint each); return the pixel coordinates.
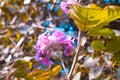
(9, 32)
(34, 14)
(20, 72)
(5, 41)
(116, 57)
(22, 68)
(113, 44)
(98, 45)
(18, 36)
(60, 12)
(23, 63)
(1, 24)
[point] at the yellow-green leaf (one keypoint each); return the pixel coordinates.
(91, 16)
(98, 45)
(18, 36)
(23, 63)
(43, 78)
(20, 72)
(52, 72)
(55, 70)
(45, 74)
(113, 44)
(101, 32)
(9, 32)
(116, 57)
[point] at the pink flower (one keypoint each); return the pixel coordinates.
(57, 41)
(66, 5)
(70, 2)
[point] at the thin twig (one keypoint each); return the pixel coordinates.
(12, 40)
(76, 55)
(7, 77)
(63, 65)
(78, 48)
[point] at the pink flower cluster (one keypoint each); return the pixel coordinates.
(47, 43)
(66, 4)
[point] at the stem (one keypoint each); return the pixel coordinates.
(63, 65)
(76, 55)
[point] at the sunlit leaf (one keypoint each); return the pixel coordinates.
(91, 16)
(45, 74)
(37, 72)
(52, 72)
(43, 78)
(101, 32)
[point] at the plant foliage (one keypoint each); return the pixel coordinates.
(93, 16)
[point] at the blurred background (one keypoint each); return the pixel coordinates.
(21, 21)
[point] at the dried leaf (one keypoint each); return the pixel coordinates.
(26, 1)
(95, 72)
(89, 61)
(77, 76)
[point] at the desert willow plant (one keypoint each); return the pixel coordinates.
(93, 20)
(64, 7)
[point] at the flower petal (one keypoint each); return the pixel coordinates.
(46, 60)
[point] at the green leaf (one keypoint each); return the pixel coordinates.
(91, 16)
(18, 36)
(9, 32)
(116, 57)
(101, 32)
(21, 69)
(113, 44)
(20, 72)
(23, 63)
(97, 45)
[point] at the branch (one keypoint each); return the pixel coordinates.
(76, 55)
(63, 65)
